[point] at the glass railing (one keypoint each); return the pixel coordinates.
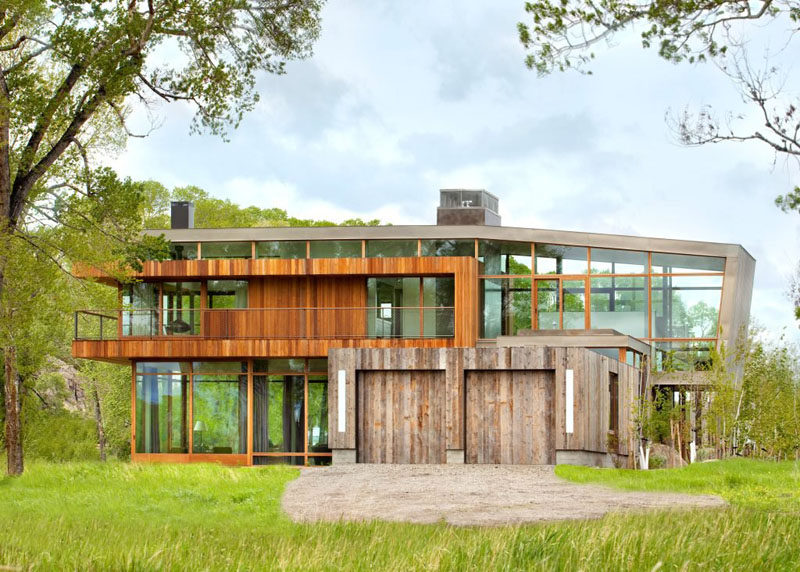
(261, 323)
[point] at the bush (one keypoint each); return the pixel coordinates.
(58, 435)
(657, 462)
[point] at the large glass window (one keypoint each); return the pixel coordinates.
(504, 257)
(557, 259)
(686, 263)
(605, 261)
(547, 305)
(448, 248)
(227, 294)
(318, 414)
(218, 250)
(180, 303)
(574, 298)
(183, 251)
(219, 409)
(162, 367)
(619, 303)
(683, 356)
(140, 303)
(438, 297)
(394, 307)
(686, 306)
(278, 414)
(505, 306)
(281, 249)
(219, 367)
(335, 248)
(161, 414)
(391, 248)
(290, 411)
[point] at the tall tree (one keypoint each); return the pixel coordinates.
(69, 72)
(213, 212)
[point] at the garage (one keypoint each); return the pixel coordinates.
(401, 417)
(509, 417)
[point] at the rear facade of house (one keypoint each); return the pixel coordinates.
(462, 342)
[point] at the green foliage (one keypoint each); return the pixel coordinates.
(745, 483)
(113, 385)
(561, 33)
(179, 517)
(57, 435)
(211, 212)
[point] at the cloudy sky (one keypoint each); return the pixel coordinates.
(404, 98)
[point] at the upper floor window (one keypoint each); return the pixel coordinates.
(558, 259)
(504, 257)
(448, 247)
(391, 248)
(217, 250)
(686, 263)
(335, 248)
(607, 261)
(281, 249)
(227, 294)
(183, 251)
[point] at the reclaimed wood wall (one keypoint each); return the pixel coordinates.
(510, 417)
(591, 400)
(401, 417)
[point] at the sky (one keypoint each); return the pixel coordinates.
(401, 99)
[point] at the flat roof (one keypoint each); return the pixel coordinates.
(506, 233)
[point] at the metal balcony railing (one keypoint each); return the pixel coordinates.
(267, 323)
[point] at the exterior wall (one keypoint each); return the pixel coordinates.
(590, 394)
(295, 284)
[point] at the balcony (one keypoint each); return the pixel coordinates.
(385, 322)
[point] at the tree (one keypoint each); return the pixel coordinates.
(562, 34)
(68, 71)
(212, 212)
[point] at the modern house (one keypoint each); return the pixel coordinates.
(461, 342)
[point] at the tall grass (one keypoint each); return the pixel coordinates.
(121, 516)
(747, 483)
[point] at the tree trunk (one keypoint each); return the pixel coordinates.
(13, 429)
(98, 418)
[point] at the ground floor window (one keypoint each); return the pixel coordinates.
(273, 410)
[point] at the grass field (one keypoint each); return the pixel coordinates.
(123, 516)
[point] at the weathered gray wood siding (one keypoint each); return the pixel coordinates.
(591, 400)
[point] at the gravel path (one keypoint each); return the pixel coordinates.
(461, 495)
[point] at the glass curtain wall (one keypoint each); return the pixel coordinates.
(290, 412)
(671, 301)
(202, 407)
(140, 314)
(410, 307)
(181, 303)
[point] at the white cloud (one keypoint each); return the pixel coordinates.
(402, 99)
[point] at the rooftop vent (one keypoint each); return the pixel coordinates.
(182, 214)
(467, 207)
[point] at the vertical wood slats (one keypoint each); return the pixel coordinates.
(292, 284)
(510, 417)
(400, 417)
(465, 410)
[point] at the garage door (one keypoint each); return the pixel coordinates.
(401, 417)
(509, 417)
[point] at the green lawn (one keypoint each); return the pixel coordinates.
(746, 483)
(124, 516)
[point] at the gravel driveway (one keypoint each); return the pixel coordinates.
(461, 495)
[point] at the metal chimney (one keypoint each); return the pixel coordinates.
(182, 214)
